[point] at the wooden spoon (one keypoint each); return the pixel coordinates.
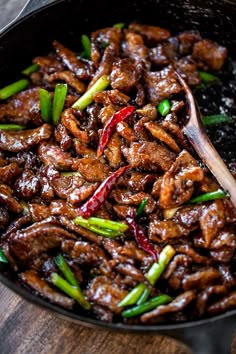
(198, 138)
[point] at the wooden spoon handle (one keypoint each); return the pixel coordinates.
(198, 138)
(212, 159)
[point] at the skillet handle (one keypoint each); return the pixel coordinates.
(33, 5)
(212, 337)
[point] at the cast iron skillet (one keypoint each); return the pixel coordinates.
(32, 33)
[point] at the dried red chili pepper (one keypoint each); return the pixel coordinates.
(140, 236)
(110, 127)
(101, 194)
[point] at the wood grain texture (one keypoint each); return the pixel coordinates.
(27, 329)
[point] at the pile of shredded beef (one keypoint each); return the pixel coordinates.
(38, 203)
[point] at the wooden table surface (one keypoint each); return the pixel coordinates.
(26, 329)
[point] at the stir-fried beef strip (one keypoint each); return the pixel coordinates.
(135, 176)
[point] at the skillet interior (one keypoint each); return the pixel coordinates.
(34, 35)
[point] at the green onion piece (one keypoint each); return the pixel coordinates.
(216, 119)
(70, 173)
(66, 271)
(45, 104)
(2, 257)
(86, 45)
(12, 89)
(145, 295)
(119, 25)
(100, 231)
(30, 70)
(82, 55)
(58, 102)
(207, 78)
(87, 98)
(147, 306)
(132, 297)
(11, 127)
(219, 194)
(164, 107)
(108, 224)
(157, 269)
(71, 291)
(141, 207)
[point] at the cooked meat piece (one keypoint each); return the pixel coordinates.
(187, 68)
(152, 33)
(9, 173)
(165, 230)
(175, 130)
(60, 207)
(228, 302)
(16, 225)
(79, 194)
(70, 122)
(22, 108)
(81, 68)
(26, 159)
(230, 211)
(7, 199)
(104, 292)
(127, 198)
(158, 132)
(158, 56)
(134, 47)
(212, 220)
(83, 150)
(149, 111)
(49, 64)
(92, 169)
(188, 215)
(111, 97)
(106, 113)
(149, 156)
(186, 41)
(122, 211)
(178, 260)
(104, 37)
(210, 53)
(176, 106)
(139, 181)
(204, 296)
(113, 151)
(208, 185)
(27, 185)
(51, 154)
(41, 287)
(178, 183)
(102, 313)
(194, 255)
(223, 255)
(62, 137)
(161, 84)
(24, 140)
(70, 78)
(227, 276)
(200, 279)
(87, 254)
(133, 272)
(124, 130)
(38, 212)
(4, 217)
(124, 75)
(178, 304)
(81, 231)
(37, 238)
(105, 66)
